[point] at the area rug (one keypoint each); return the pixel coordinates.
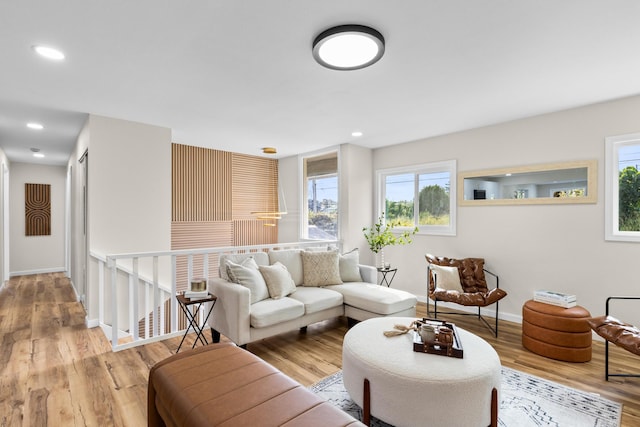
(525, 400)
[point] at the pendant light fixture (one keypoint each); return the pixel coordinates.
(348, 47)
(270, 216)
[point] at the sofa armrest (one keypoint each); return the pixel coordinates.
(369, 273)
(231, 315)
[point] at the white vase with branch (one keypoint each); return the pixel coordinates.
(380, 235)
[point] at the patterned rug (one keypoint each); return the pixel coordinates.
(525, 400)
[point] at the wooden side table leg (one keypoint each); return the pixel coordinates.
(494, 408)
(366, 403)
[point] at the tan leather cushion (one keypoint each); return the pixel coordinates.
(566, 354)
(471, 272)
(224, 385)
(620, 333)
(477, 299)
(556, 318)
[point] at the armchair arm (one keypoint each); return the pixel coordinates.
(231, 315)
(495, 276)
(369, 273)
(617, 298)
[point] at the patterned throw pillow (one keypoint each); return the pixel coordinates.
(447, 277)
(321, 268)
(248, 275)
(279, 281)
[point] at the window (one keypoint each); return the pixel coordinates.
(422, 196)
(320, 219)
(622, 179)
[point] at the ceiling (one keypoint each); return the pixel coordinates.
(239, 75)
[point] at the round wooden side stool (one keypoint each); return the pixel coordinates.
(556, 332)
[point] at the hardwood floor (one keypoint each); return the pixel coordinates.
(56, 372)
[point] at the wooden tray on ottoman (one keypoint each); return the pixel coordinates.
(437, 348)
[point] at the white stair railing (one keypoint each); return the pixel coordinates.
(135, 288)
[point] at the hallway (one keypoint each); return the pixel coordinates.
(56, 372)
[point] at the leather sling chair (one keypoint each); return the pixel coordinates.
(462, 281)
(621, 334)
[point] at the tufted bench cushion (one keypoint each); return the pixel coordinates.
(224, 385)
(556, 332)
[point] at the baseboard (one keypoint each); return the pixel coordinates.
(486, 311)
(91, 323)
(37, 271)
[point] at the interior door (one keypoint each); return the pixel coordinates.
(83, 252)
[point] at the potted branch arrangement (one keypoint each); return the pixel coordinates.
(381, 235)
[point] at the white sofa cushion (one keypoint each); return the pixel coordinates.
(291, 259)
(375, 298)
(349, 269)
(317, 299)
(273, 311)
(279, 281)
(248, 275)
(321, 268)
(261, 258)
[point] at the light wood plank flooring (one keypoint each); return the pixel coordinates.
(56, 372)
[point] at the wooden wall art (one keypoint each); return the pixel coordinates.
(37, 209)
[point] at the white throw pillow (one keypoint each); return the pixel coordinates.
(448, 277)
(348, 263)
(248, 275)
(291, 259)
(279, 281)
(321, 268)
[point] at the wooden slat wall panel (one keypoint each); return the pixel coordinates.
(190, 235)
(252, 232)
(201, 184)
(37, 209)
(255, 185)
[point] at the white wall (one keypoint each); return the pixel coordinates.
(77, 253)
(37, 254)
(290, 182)
(4, 218)
(129, 192)
(531, 247)
(129, 186)
(356, 198)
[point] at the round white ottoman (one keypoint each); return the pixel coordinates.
(409, 388)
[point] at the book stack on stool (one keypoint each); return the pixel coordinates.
(552, 330)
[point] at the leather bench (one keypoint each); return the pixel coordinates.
(556, 332)
(224, 385)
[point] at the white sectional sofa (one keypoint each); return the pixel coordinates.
(264, 294)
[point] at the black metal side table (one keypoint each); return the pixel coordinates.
(185, 304)
(385, 272)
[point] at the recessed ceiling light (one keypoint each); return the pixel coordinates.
(356, 133)
(348, 47)
(49, 52)
(36, 126)
(269, 150)
(39, 155)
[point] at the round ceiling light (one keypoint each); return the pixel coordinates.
(348, 47)
(35, 126)
(49, 52)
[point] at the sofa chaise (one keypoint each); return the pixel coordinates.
(263, 294)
